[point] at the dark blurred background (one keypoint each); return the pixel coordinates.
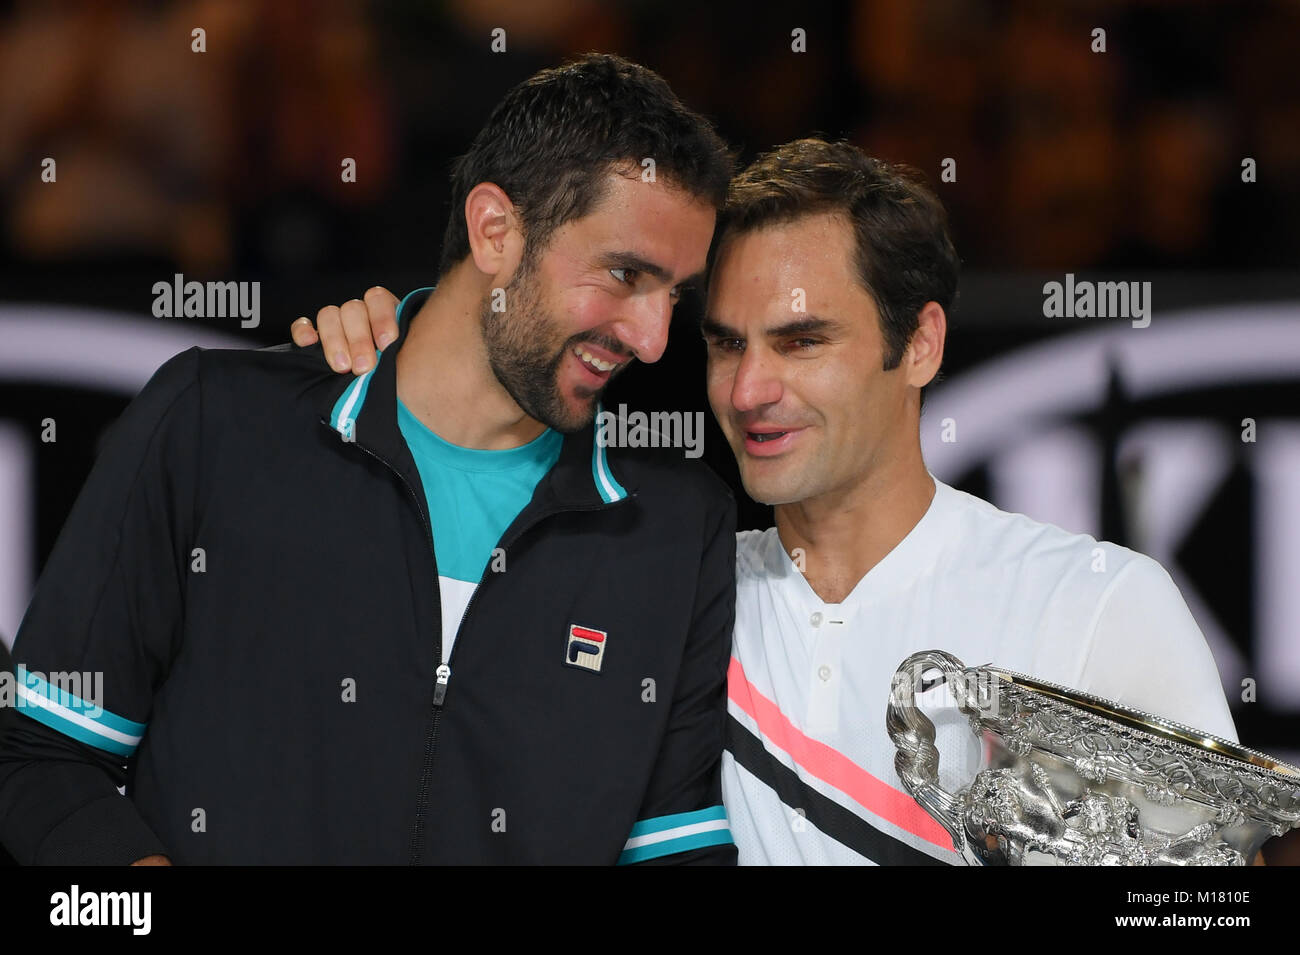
(1118, 165)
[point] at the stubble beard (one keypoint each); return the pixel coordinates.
(525, 353)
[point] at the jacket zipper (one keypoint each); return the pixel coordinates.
(443, 672)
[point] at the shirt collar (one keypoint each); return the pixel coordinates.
(364, 409)
(911, 557)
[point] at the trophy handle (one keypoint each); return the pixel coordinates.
(917, 759)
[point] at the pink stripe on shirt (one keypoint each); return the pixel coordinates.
(832, 766)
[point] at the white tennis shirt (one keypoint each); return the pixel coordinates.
(808, 775)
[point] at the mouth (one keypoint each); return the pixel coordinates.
(768, 442)
(597, 365)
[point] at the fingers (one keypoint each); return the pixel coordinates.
(382, 306)
(334, 343)
(350, 333)
(303, 332)
(356, 327)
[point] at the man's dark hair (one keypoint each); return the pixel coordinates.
(554, 138)
(904, 255)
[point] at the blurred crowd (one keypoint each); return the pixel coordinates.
(231, 158)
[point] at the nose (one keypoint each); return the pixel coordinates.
(757, 382)
(645, 328)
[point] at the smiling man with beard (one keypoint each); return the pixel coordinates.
(507, 644)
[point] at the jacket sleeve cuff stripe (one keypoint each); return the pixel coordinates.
(85, 722)
(670, 841)
(675, 821)
(679, 832)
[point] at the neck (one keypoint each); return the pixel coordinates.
(444, 377)
(845, 533)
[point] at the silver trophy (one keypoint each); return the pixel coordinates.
(1072, 779)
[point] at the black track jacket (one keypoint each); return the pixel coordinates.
(249, 570)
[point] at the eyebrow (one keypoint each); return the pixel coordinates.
(630, 260)
(712, 328)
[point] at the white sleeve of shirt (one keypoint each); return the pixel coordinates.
(1148, 653)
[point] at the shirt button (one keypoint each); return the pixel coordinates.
(816, 619)
(824, 672)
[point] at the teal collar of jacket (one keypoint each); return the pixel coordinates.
(364, 410)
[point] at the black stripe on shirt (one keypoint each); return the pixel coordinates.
(842, 825)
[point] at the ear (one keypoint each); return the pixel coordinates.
(924, 352)
(496, 240)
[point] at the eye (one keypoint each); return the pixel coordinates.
(801, 344)
(625, 276)
(727, 344)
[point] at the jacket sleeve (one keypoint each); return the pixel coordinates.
(99, 635)
(682, 820)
